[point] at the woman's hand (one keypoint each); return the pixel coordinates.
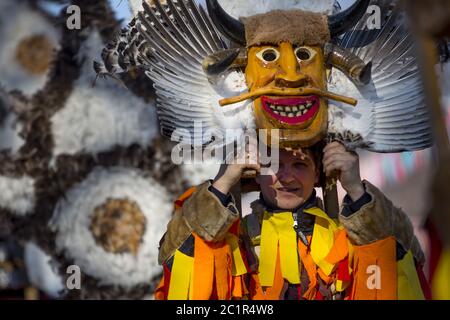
(230, 174)
(337, 158)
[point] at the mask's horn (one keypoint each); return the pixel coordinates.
(229, 26)
(340, 22)
(349, 63)
(218, 62)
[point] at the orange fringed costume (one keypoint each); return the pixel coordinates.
(209, 253)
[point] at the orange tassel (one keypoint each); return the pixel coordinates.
(340, 248)
(375, 271)
(222, 270)
(311, 270)
(271, 293)
(212, 266)
(237, 290)
(203, 270)
(256, 292)
(159, 292)
(274, 292)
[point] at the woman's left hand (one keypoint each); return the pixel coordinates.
(337, 158)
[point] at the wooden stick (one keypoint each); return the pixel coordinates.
(236, 191)
(330, 199)
(288, 92)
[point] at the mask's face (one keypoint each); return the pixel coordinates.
(303, 119)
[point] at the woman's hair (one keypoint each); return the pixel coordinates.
(317, 151)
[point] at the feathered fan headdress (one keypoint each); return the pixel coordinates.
(180, 46)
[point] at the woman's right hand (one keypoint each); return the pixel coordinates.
(230, 174)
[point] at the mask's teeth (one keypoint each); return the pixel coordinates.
(290, 111)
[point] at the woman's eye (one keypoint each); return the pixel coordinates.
(268, 55)
(300, 165)
(304, 53)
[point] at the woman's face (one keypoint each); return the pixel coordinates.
(294, 182)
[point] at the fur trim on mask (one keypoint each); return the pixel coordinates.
(295, 26)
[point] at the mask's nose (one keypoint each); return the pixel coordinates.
(291, 81)
(290, 75)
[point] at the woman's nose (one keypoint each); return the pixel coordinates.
(285, 175)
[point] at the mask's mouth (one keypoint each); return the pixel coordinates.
(288, 92)
(293, 110)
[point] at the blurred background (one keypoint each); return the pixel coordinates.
(86, 179)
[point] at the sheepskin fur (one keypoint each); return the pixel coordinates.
(295, 26)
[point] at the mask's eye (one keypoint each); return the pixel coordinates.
(268, 55)
(305, 53)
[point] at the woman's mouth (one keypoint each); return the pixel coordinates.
(293, 110)
(289, 189)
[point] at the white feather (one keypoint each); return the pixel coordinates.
(391, 115)
(41, 272)
(236, 116)
(343, 117)
(197, 173)
(135, 6)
